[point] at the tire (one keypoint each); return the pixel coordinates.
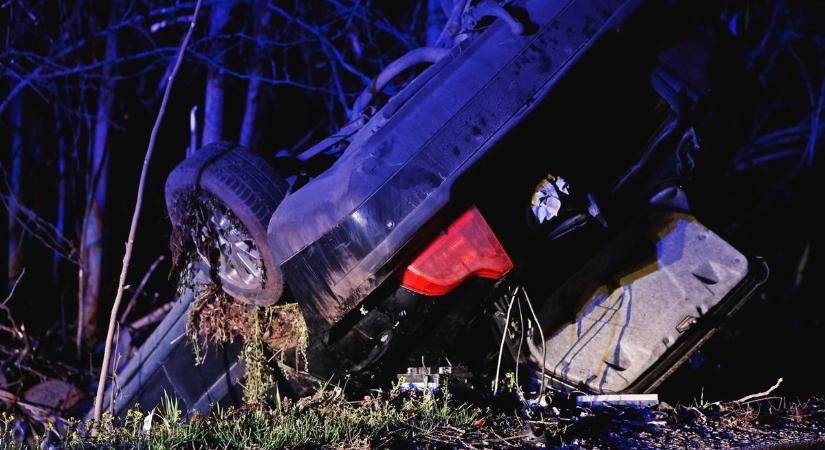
(245, 185)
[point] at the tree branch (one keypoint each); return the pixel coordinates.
(104, 370)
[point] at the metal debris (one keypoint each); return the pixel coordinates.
(635, 400)
(434, 379)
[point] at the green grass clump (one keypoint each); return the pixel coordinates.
(326, 419)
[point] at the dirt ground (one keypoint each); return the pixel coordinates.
(764, 424)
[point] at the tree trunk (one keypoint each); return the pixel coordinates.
(213, 103)
(193, 131)
(435, 21)
(15, 231)
(91, 246)
(62, 198)
(248, 128)
(250, 113)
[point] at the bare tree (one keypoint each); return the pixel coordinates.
(15, 186)
(61, 64)
(93, 221)
(261, 21)
(213, 102)
(130, 241)
(62, 206)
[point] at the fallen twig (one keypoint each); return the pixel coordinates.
(759, 394)
(104, 370)
(756, 400)
(153, 317)
(139, 289)
(502, 439)
(14, 286)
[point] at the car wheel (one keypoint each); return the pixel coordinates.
(219, 201)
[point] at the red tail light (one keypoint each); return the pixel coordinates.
(468, 248)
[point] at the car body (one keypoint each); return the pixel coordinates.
(368, 248)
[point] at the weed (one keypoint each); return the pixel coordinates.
(327, 419)
(259, 378)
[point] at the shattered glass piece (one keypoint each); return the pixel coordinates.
(548, 198)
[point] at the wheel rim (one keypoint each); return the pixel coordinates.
(223, 243)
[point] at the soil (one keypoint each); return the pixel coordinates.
(760, 425)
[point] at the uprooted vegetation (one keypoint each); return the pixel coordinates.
(215, 318)
(275, 333)
(268, 333)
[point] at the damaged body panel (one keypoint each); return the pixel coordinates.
(336, 237)
(629, 306)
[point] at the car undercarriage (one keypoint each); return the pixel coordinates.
(493, 190)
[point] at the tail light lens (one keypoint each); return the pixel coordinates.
(468, 248)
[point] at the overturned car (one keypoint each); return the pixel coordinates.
(496, 186)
